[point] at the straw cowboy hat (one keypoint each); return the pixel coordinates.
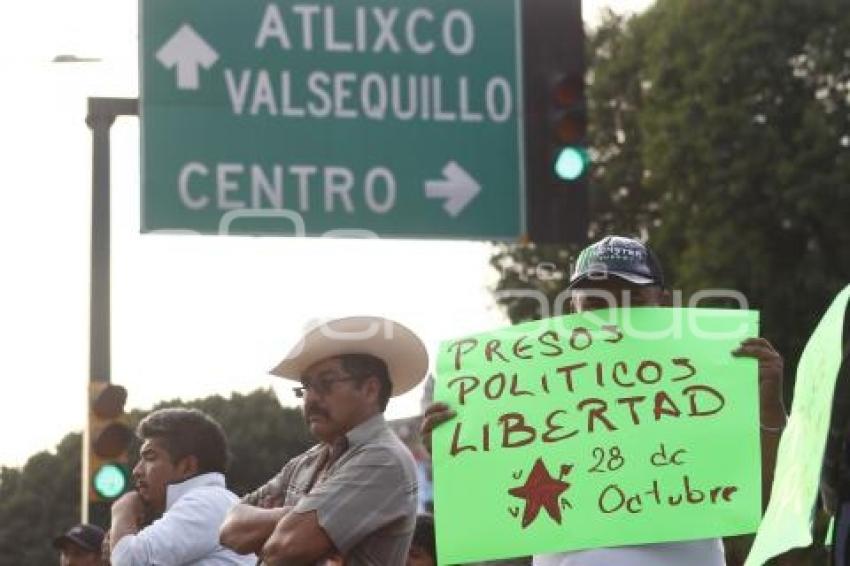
(402, 351)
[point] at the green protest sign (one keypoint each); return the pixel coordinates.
(613, 427)
(787, 522)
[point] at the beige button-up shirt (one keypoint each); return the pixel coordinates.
(365, 500)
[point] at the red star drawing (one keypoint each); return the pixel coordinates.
(541, 490)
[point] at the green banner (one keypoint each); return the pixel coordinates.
(613, 427)
(787, 523)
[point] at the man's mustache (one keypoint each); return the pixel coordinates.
(310, 410)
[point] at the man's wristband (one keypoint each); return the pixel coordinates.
(774, 429)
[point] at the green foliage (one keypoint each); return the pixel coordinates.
(38, 502)
(720, 132)
(746, 144)
(41, 500)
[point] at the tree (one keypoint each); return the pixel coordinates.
(747, 152)
(719, 131)
(38, 502)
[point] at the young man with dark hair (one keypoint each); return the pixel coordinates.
(623, 272)
(352, 498)
(180, 483)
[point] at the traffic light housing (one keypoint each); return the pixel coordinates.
(568, 124)
(557, 162)
(108, 440)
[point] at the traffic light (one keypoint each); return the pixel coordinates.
(108, 439)
(557, 162)
(570, 160)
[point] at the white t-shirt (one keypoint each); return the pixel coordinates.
(706, 552)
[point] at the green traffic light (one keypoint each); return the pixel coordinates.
(110, 481)
(571, 163)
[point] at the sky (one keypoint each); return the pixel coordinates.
(192, 316)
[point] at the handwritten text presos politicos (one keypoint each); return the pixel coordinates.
(591, 397)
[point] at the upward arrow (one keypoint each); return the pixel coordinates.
(187, 51)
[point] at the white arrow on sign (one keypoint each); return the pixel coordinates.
(458, 188)
(187, 51)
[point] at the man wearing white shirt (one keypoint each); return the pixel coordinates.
(179, 480)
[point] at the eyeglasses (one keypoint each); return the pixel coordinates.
(320, 386)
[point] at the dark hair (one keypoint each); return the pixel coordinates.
(423, 534)
(362, 366)
(187, 432)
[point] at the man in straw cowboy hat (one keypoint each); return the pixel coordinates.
(353, 496)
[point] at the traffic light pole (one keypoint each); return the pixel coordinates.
(101, 115)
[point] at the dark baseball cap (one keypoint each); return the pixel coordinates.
(86, 536)
(617, 256)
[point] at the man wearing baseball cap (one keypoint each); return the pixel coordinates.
(80, 545)
(624, 272)
(352, 497)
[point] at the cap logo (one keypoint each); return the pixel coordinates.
(621, 253)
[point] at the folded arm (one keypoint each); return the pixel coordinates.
(297, 539)
(247, 528)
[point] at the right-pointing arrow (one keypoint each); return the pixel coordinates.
(458, 188)
(187, 51)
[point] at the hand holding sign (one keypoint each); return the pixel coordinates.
(771, 366)
(434, 415)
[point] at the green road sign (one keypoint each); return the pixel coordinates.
(368, 116)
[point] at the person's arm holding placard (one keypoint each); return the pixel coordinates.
(771, 406)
